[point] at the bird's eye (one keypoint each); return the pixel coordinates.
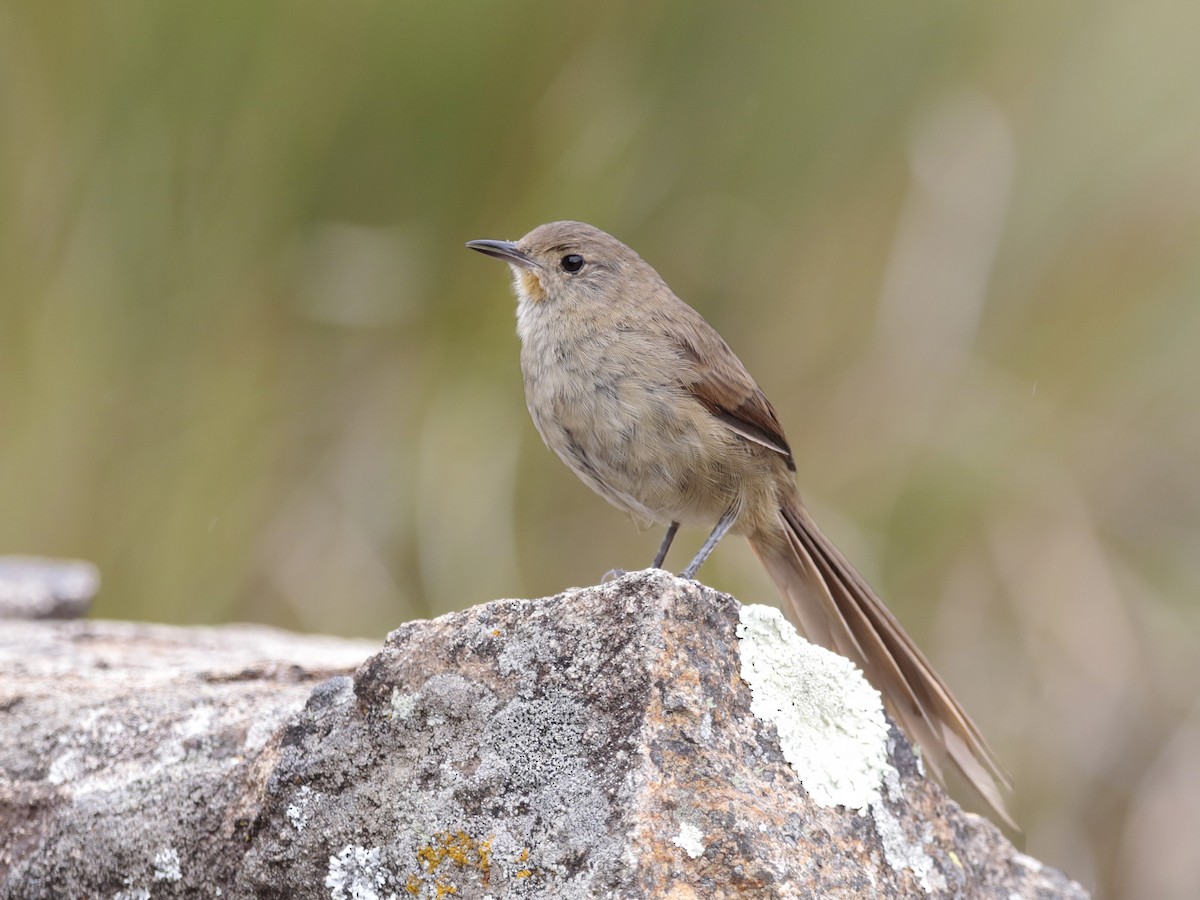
(572, 262)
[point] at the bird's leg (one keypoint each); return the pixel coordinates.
(666, 545)
(723, 526)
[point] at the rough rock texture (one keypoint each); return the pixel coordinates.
(596, 744)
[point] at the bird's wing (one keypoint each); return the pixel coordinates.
(714, 375)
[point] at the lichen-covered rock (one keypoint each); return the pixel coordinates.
(132, 757)
(599, 743)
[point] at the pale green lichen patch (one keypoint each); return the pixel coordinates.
(830, 721)
(358, 873)
(690, 840)
(900, 850)
(166, 865)
(402, 705)
(297, 810)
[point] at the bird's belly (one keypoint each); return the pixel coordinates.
(641, 445)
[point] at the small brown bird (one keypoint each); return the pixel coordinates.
(646, 403)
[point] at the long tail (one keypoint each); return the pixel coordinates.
(837, 609)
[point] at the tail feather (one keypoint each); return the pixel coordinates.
(837, 609)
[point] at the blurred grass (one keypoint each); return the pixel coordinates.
(247, 367)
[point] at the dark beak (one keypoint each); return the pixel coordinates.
(505, 250)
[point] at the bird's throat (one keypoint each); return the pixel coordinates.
(529, 285)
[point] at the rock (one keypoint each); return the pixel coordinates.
(603, 742)
(33, 587)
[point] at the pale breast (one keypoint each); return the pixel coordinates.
(615, 412)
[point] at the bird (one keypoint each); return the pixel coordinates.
(649, 406)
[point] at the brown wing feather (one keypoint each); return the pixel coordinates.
(716, 377)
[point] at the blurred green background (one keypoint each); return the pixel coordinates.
(248, 368)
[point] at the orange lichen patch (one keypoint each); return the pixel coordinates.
(531, 286)
(457, 848)
(522, 858)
